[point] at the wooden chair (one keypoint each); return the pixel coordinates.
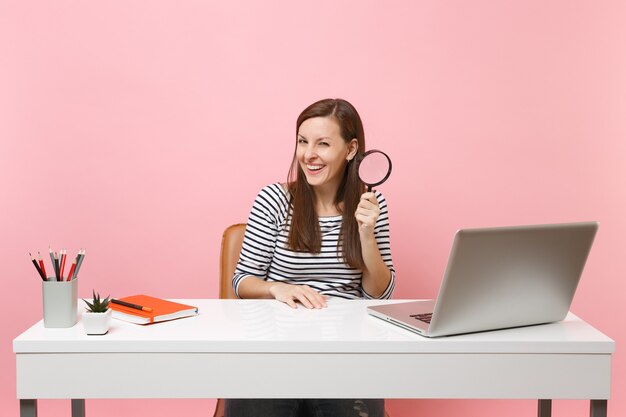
(232, 240)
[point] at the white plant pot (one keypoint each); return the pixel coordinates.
(97, 323)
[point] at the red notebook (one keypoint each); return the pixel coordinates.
(162, 310)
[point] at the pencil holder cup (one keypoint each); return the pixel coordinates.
(60, 300)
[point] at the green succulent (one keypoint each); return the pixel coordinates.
(97, 305)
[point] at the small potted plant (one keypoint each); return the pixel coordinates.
(97, 315)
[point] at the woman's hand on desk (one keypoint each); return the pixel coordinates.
(290, 294)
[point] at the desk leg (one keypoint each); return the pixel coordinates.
(28, 408)
(545, 408)
(78, 408)
(598, 408)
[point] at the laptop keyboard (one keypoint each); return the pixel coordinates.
(425, 317)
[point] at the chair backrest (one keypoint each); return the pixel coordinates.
(232, 239)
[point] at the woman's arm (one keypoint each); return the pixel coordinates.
(254, 287)
(377, 276)
(257, 253)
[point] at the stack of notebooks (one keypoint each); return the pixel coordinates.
(162, 310)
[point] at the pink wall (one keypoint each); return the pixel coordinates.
(139, 130)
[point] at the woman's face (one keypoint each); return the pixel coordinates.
(322, 153)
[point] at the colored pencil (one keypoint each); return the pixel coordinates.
(63, 254)
(69, 274)
(39, 271)
(79, 261)
(43, 268)
(56, 266)
(52, 260)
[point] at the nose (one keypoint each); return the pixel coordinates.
(309, 153)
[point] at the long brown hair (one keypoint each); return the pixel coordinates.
(305, 234)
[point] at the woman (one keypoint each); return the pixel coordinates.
(320, 235)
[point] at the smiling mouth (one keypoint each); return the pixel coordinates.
(314, 168)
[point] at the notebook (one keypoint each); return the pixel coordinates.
(501, 278)
(162, 310)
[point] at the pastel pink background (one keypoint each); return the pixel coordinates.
(139, 130)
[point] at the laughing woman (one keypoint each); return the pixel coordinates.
(318, 236)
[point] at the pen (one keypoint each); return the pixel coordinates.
(37, 266)
(69, 274)
(131, 305)
(43, 268)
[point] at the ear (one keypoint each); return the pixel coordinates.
(353, 147)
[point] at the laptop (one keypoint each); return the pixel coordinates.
(500, 278)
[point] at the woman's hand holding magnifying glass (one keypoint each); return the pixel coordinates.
(374, 167)
(367, 213)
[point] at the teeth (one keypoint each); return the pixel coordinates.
(315, 167)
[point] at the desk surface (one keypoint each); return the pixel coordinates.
(271, 326)
(221, 353)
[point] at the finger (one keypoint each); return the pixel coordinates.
(323, 300)
(315, 298)
(365, 205)
(369, 196)
(318, 300)
(287, 300)
(367, 211)
(368, 205)
(284, 296)
(365, 222)
(367, 218)
(361, 218)
(302, 298)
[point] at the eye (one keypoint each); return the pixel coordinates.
(324, 143)
(300, 141)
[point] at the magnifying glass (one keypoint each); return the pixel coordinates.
(374, 168)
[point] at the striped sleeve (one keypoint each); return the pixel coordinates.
(264, 222)
(381, 234)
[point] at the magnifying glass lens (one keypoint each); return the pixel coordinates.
(374, 168)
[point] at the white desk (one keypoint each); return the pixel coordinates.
(221, 352)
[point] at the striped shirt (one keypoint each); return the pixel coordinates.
(265, 253)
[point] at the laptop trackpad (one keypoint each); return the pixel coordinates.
(405, 310)
(413, 308)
